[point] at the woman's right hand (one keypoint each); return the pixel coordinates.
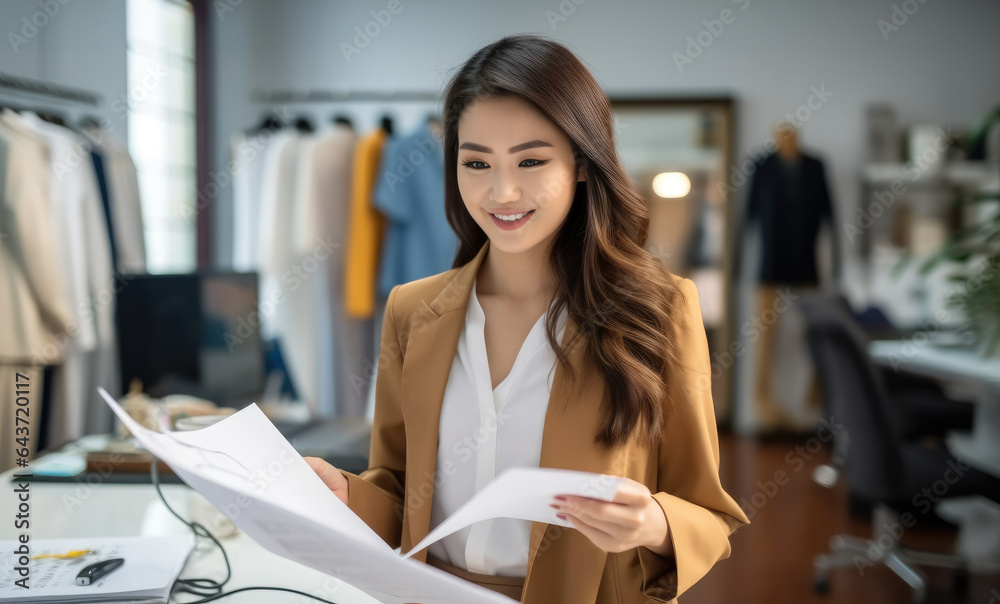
(330, 476)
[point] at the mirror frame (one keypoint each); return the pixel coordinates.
(726, 337)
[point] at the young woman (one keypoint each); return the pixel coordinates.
(556, 341)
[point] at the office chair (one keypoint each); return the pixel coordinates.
(882, 469)
(922, 408)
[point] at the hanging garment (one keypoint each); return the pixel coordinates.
(288, 304)
(69, 168)
(410, 193)
(311, 252)
(106, 367)
(306, 326)
(247, 154)
(790, 201)
(276, 190)
(321, 221)
(366, 228)
(86, 270)
(100, 171)
(485, 430)
(126, 206)
(33, 307)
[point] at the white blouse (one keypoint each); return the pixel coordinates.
(484, 431)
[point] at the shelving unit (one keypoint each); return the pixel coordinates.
(984, 175)
(918, 217)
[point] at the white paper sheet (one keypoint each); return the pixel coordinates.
(151, 565)
(523, 493)
(247, 469)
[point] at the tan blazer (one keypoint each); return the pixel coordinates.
(423, 320)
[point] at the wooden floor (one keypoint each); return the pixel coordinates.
(772, 558)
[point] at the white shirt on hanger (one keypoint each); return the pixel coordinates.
(84, 251)
(288, 278)
(484, 431)
(126, 205)
(34, 307)
(320, 221)
(68, 169)
(247, 154)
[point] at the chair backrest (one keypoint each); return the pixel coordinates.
(855, 398)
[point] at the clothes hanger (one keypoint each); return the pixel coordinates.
(53, 118)
(304, 124)
(268, 122)
(341, 118)
(89, 121)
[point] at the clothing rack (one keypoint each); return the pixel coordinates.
(325, 96)
(48, 89)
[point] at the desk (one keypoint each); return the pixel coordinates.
(112, 510)
(962, 370)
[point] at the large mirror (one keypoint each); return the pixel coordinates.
(677, 152)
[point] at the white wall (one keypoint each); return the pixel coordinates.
(81, 45)
(939, 66)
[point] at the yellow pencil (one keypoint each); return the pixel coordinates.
(68, 555)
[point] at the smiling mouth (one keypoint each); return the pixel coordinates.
(510, 222)
(511, 217)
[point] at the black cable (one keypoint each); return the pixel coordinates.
(209, 589)
(236, 591)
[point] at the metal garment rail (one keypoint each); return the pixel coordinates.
(41, 87)
(349, 95)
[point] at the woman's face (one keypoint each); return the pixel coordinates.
(513, 160)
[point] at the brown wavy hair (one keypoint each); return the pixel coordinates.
(622, 297)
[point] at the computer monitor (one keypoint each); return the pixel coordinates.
(196, 334)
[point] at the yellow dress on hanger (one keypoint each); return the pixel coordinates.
(366, 228)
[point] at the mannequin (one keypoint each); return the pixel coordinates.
(789, 201)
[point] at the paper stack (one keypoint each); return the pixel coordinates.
(250, 472)
(152, 564)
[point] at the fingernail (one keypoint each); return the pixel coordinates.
(561, 516)
(554, 506)
(560, 498)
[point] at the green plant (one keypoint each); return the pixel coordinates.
(975, 249)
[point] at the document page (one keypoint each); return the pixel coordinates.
(249, 471)
(151, 566)
(523, 493)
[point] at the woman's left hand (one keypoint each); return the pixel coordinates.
(632, 519)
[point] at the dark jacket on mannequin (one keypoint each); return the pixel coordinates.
(790, 214)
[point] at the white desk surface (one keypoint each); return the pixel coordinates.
(967, 373)
(940, 362)
(110, 510)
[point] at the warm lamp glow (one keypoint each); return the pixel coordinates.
(671, 184)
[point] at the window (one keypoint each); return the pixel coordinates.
(161, 128)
